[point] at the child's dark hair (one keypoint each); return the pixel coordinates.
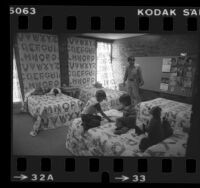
(125, 99)
(100, 94)
(55, 91)
(156, 112)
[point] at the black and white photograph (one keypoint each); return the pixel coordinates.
(102, 94)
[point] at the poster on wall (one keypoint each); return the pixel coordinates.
(172, 88)
(166, 66)
(180, 76)
(173, 65)
(189, 71)
(164, 84)
(181, 61)
(81, 61)
(187, 82)
(184, 72)
(172, 80)
(39, 60)
(179, 82)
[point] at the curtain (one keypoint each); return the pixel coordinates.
(17, 97)
(104, 65)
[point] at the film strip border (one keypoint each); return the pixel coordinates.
(86, 169)
(77, 19)
(119, 23)
(106, 170)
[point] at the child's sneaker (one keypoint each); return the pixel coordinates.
(33, 133)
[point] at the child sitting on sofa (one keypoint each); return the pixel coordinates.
(89, 115)
(154, 130)
(128, 120)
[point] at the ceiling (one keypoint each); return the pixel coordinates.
(112, 36)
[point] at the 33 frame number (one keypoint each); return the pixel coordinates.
(138, 178)
(25, 10)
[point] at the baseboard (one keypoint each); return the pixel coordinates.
(17, 107)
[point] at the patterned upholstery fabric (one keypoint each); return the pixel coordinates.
(101, 141)
(50, 111)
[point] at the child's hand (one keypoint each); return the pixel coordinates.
(110, 120)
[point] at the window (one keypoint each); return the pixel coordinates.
(17, 97)
(104, 65)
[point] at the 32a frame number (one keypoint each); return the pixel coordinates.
(25, 10)
(42, 177)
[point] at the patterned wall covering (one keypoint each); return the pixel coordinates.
(39, 60)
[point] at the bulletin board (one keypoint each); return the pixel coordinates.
(38, 60)
(172, 74)
(81, 61)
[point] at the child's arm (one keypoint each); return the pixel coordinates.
(119, 108)
(144, 128)
(102, 113)
(150, 127)
(105, 116)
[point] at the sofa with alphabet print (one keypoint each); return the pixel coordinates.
(101, 141)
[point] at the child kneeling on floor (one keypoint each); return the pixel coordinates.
(128, 121)
(89, 116)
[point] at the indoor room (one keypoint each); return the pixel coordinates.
(103, 94)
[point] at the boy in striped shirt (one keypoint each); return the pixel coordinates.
(128, 121)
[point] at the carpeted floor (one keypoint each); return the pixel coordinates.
(49, 142)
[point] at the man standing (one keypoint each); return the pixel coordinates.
(133, 76)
